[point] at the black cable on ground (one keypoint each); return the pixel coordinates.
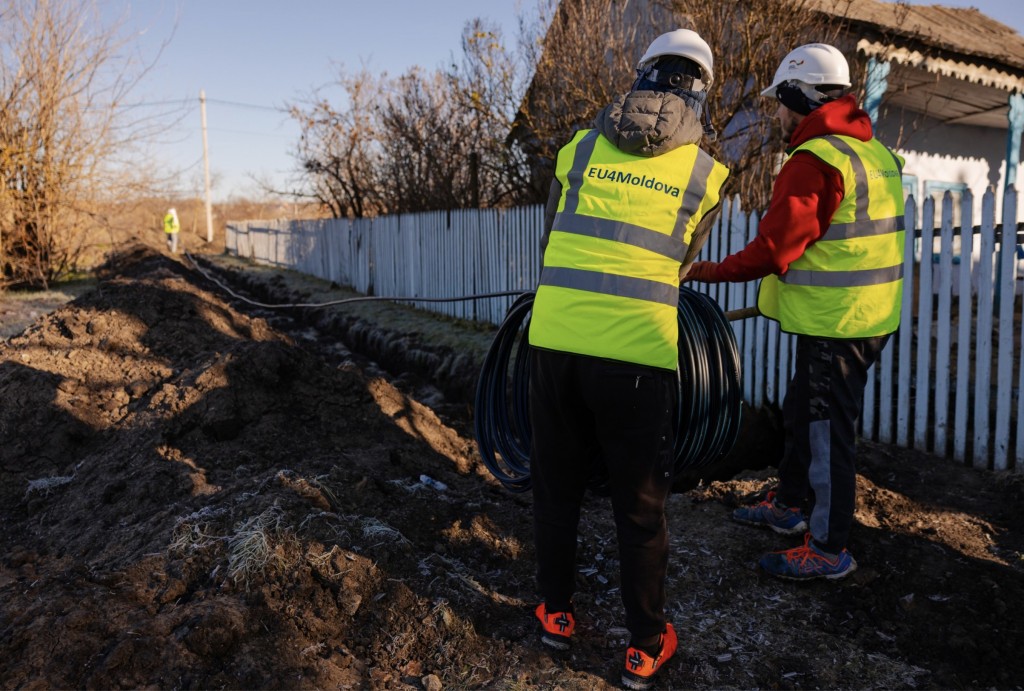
(710, 391)
(345, 301)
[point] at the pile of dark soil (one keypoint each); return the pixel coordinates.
(198, 494)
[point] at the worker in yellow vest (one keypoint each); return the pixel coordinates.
(171, 229)
(631, 204)
(830, 251)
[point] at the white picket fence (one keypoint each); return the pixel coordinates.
(948, 382)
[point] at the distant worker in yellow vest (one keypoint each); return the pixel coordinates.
(171, 229)
(632, 202)
(830, 252)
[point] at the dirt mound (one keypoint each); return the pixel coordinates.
(194, 497)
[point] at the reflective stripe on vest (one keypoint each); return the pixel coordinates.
(848, 284)
(610, 283)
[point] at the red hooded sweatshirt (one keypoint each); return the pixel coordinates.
(806, 194)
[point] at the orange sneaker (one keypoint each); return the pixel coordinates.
(641, 667)
(555, 627)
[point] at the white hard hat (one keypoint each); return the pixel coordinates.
(812, 65)
(685, 44)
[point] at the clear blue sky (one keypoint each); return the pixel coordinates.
(254, 56)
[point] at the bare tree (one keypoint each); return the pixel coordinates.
(338, 152)
(63, 76)
(489, 84)
(423, 141)
(423, 137)
(583, 52)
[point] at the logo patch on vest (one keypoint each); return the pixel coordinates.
(623, 178)
(876, 173)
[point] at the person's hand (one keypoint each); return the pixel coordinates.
(706, 272)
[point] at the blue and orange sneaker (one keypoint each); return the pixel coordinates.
(782, 519)
(555, 627)
(808, 561)
(641, 667)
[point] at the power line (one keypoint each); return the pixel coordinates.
(249, 133)
(248, 105)
(191, 103)
(184, 103)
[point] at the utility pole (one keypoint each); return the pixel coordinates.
(206, 166)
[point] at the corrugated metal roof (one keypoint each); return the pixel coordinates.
(966, 31)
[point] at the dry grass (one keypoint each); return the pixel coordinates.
(254, 546)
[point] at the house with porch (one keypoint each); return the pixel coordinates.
(945, 88)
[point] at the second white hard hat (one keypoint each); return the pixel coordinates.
(684, 43)
(812, 64)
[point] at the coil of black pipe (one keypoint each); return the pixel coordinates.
(709, 404)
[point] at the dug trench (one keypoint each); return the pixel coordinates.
(202, 492)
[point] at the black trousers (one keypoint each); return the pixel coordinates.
(584, 412)
(818, 470)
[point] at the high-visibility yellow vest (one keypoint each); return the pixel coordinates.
(849, 283)
(171, 224)
(610, 283)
